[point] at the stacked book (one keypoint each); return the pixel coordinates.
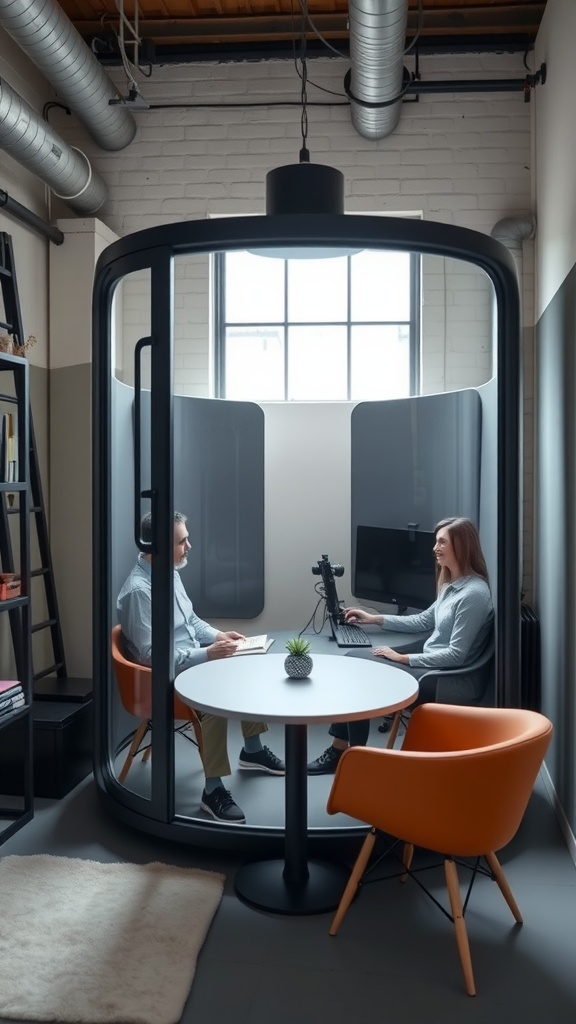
(8, 448)
(11, 696)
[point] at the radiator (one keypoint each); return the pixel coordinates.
(529, 658)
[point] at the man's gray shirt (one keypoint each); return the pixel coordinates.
(135, 617)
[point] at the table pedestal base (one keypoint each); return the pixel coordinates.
(263, 885)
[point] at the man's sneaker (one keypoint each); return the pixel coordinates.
(326, 763)
(220, 805)
(261, 760)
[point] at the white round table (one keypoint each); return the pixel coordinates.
(256, 688)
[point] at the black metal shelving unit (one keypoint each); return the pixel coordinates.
(16, 760)
(13, 325)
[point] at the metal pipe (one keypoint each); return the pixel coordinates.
(32, 142)
(48, 37)
(469, 85)
(25, 215)
(377, 42)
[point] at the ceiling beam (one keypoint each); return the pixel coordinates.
(462, 21)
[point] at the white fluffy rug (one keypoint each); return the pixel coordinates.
(82, 941)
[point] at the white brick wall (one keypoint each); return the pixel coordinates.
(461, 159)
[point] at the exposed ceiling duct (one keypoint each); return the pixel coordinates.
(375, 80)
(49, 39)
(31, 141)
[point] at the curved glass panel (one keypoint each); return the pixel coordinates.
(238, 464)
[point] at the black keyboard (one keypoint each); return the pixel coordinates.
(351, 636)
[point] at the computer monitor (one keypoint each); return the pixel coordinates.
(395, 566)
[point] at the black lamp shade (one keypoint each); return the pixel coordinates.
(304, 188)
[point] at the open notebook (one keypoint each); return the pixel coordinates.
(254, 645)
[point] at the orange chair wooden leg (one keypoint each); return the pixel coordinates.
(136, 741)
(354, 880)
(147, 753)
(502, 882)
(459, 925)
(394, 730)
(407, 855)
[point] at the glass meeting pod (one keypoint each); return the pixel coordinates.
(153, 450)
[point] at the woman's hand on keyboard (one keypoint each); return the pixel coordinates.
(356, 615)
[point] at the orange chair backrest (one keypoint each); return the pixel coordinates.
(461, 782)
(135, 685)
(134, 681)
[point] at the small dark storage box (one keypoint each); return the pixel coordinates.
(62, 747)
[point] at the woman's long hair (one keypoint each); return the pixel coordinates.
(467, 550)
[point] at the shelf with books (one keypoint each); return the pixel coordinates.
(16, 807)
(6, 717)
(12, 697)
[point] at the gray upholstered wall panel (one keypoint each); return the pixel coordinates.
(488, 522)
(124, 550)
(416, 460)
(556, 541)
(219, 449)
(219, 485)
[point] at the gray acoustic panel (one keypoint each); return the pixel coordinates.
(555, 514)
(489, 482)
(416, 460)
(123, 548)
(219, 483)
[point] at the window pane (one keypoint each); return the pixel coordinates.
(380, 363)
(315, 330)
(254, 289)
(254, 364)
(317, 364)
(380, 286)
(318, 290)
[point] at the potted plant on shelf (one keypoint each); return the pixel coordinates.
(298, 664)
(11, 347)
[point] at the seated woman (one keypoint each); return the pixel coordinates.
(461, 620)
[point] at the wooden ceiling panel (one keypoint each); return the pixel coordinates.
(196, 28)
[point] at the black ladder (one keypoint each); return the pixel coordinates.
(13, 326)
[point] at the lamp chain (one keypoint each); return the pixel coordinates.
(304, 152)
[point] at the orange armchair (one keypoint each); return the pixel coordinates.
(135, 686)
(459, 786)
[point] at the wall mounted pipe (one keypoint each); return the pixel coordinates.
(22, 213)
(467, 85)
(47, 36)
(31, 141)
(512, 232)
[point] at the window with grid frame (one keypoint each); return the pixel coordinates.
(339, 329)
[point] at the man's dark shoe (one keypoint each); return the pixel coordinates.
(220, 805)
(261, 760)
(327, 762)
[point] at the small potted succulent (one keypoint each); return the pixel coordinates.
(298, 664)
